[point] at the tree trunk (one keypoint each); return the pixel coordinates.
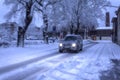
(28, 20)
(20, 39)
(45, 20)
(71, 29)
(78, 26)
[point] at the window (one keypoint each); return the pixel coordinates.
(70, 38)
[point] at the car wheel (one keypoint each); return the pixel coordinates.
(60, 51)
(81, 49)
(78, 49)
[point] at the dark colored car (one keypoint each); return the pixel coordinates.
(71, 43)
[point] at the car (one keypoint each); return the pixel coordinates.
(71, 43)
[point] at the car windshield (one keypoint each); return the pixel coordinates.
(70, 38)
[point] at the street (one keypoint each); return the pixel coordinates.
(60, 40)
(92, 63)
(100, 62)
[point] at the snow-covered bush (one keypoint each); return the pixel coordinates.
(8, 33)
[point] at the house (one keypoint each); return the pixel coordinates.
(8, 31)
(118, 26)
(102, 33)
(115, 25)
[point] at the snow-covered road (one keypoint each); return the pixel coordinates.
(100, 62)
(39, 58)
(89, 64)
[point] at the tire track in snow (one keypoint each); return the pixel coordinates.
(99, 58)
(28, 72)
(42, 67)
(82, 54)
(111, 54)
(17, 65)
(85, 47)
(92, 61)
(114, 51)
(93, 58)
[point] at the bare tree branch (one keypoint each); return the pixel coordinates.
(39, 2)
(38, 9)
(18, 9)
(22, 2)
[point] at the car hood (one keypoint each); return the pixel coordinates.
(68, 42)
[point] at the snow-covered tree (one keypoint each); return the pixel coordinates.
(72, 14)
(78, 13)
(45, 9)
(25, 9)
(8, 32)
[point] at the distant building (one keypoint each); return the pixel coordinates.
(102, 33)
(8, 31)
(116, 25)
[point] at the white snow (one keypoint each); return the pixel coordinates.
(106, 28)
(86, 65)
(34, 49)
(14, 55)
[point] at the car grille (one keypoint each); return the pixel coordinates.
(67, 45)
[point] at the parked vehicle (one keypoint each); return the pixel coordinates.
(71, 43)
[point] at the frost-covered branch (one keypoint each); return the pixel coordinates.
(22, 2)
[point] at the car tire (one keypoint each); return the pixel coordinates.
(61, 51)
(81, 49)
(78, 49)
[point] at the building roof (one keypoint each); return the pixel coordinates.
(104, 28)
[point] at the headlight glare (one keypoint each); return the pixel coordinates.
(60, 44)
(73, 44)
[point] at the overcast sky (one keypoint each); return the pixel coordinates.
(4, 9)
(111, 10)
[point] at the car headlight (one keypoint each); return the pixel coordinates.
(73, 44)
(60, 44)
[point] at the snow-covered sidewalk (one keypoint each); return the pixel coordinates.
(13, 55)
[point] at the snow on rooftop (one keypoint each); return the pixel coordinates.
(104, 28)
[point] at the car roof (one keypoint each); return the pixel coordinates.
(79, 36)
(72, 35)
